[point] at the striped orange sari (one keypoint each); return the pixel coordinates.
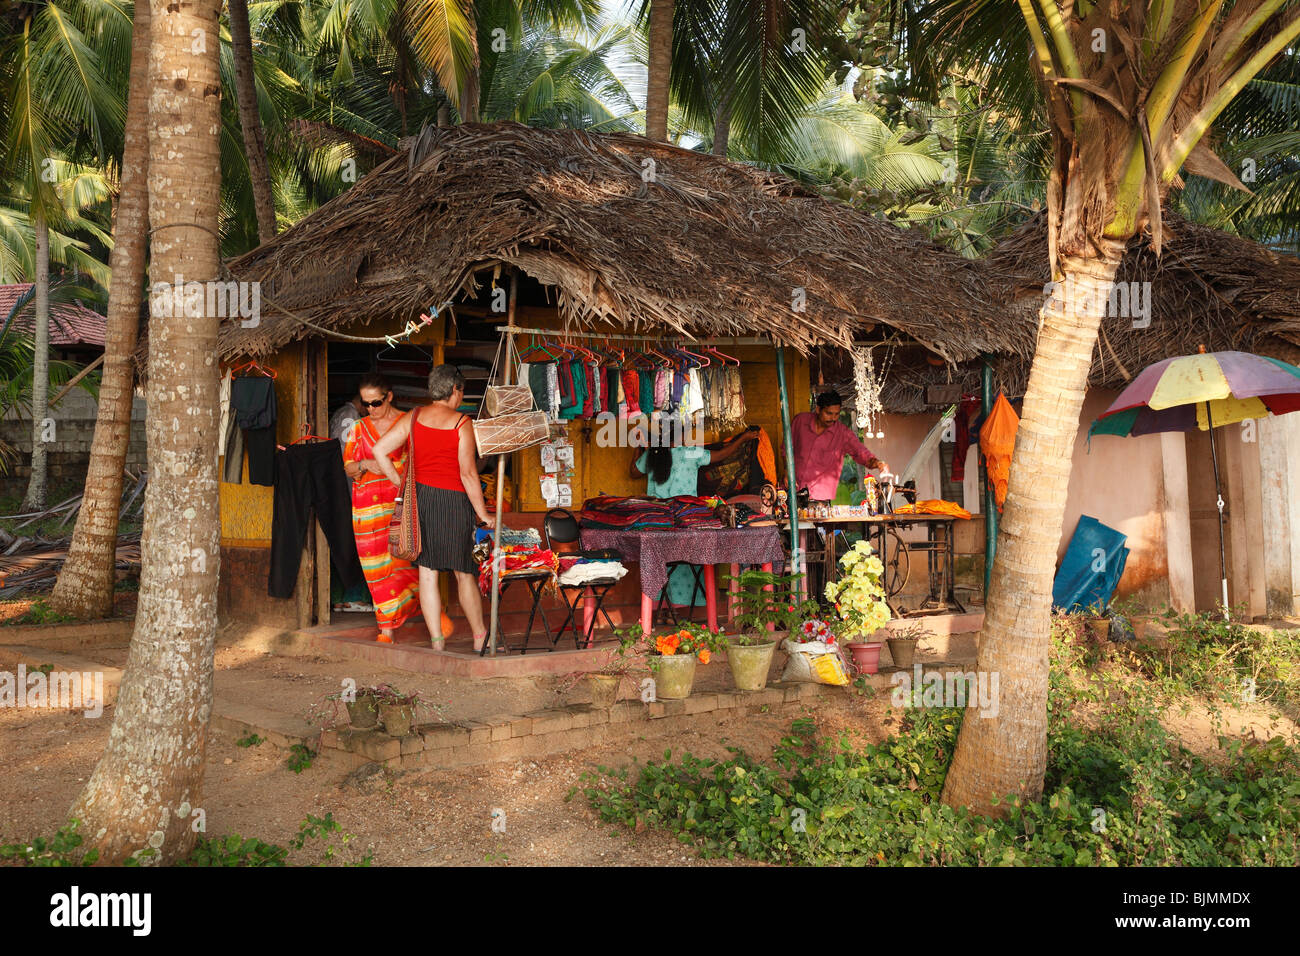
(394, 584)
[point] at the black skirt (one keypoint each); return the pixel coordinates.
(447, 524)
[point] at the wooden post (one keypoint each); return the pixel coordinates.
(501, 476)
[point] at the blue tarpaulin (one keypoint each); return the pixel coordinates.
(1091, 568)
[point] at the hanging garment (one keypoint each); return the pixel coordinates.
(647, 379)
(997, 442)
(252, 402)
(572, 375)
(311, 478)
(536, 375)
(553, 391)
(663, 379)
(588, 375)
(694, 399)
(678, 386)
(632, 392)
(962, 438)
(225, 413)
(393, 583)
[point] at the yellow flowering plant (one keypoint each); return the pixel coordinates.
(859, 594)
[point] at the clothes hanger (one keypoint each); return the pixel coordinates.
(724, 356)
(253, 364)
(306, 427)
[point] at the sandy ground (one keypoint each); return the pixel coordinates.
(440, 817)
(424, 818)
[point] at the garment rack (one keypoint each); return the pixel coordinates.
(650, 337)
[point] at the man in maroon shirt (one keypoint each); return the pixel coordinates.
(820, 443)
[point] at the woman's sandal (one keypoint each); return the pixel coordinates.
(479, 640)
(383, 638)
(438, 643)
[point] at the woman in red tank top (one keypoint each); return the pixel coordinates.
(448, 496)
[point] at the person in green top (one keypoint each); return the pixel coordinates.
(672, 468)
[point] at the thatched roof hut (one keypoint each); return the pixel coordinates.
(632, 235)
(1207, 288)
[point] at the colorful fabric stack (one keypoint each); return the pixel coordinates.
(691, 512)
(518, 559)
(615, 512)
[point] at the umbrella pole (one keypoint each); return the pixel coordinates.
(1223, 559)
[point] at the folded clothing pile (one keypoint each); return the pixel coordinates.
(509, 536)
(619, 513)
(578, 571)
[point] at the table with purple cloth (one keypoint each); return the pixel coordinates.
(654, 548)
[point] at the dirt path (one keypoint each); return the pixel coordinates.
(425, 818)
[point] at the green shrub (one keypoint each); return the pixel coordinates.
(1118, 792)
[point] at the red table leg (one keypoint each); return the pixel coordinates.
(647, 613)
(588, 615)
(711, 596)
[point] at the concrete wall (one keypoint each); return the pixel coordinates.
(69, 455)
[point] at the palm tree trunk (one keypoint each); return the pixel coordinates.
(250, 121)
(85, 585)
(661, 55)
(722, 124)
(151, 774)
(1007, 753)
(37, 489)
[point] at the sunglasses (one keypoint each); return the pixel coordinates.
(375, 404)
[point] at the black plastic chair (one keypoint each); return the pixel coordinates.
(561, 527)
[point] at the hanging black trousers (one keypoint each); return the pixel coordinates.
(310, 478)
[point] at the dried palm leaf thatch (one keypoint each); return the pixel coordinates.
(634, 235)
(1206, 288)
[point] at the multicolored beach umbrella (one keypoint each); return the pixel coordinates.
(1195, 391)
(1203, 391)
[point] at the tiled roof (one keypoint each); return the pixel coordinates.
(70, 324)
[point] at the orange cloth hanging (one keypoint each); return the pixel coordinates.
(997, 442)
(766, 457)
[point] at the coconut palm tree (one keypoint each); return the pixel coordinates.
(57, 102)
(151, 773)
(1131, 90)
(86, 581)
(250, 123)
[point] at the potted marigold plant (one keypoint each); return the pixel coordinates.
(673, 656)
(859, 601)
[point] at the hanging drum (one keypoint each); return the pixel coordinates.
(507, 400)
(509, 433)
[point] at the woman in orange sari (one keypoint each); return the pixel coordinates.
(393, 583)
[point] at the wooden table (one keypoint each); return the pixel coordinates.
(938, 548)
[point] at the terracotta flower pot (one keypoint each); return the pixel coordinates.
(604, 690)
(363, 713)
(866, 655)
(903, 651)
(676, 676)
(397, 717)
(750, 664)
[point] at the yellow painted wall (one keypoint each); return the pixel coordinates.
(606, 470)
(246, 509)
